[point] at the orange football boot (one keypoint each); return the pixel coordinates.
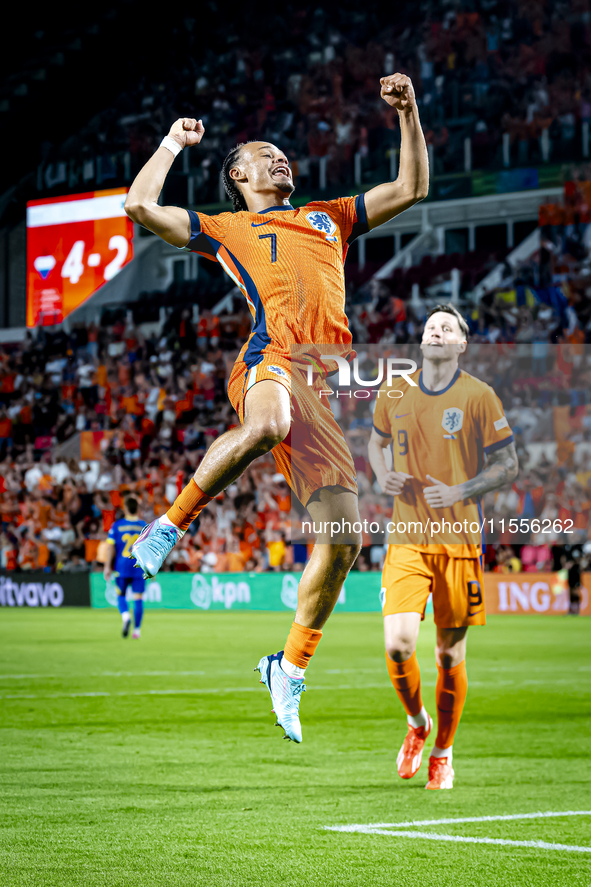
(441, 774)
(411, 754)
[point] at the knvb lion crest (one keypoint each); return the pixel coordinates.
(322, 222)
(452, 420)
(279, 371)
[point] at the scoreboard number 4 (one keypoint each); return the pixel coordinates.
(73, 267)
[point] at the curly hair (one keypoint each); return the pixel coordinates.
(230, 186)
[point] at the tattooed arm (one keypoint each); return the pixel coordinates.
(501, 468)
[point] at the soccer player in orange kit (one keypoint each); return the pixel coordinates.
(445, 426)
(288, 263)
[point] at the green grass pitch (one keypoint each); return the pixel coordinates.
(155, 762)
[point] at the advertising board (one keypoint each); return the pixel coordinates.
(527, 593)
(45, 590)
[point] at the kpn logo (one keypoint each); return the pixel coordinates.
(206, 594)
(388, 369)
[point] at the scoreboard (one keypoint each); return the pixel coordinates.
(74, 245)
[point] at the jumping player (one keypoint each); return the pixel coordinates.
(451, 444)
(121, 537)
(288, 263)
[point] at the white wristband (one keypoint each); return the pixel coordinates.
(171, 145)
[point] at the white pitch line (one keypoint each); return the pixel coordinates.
(385, 828)
(104, 674)
(431, 836)
(503, 818)
(188, 691)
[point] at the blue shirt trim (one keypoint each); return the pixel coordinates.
(499, 444)
(273, 209)
(482, 534)
(195, 224)
(428, 391)
(260, 338)
(382, 433)
(199, 242)
(361, 226)
(209, 246)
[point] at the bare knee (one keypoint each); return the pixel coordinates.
(268, 431)
(449, 658)
(450, 648)
(401, 647)
(345, 555)
(337, 558)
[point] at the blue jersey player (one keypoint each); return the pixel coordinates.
(121, 537)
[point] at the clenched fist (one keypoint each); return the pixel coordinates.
(393, 482)
(187, 131)
(398, 91)
(441, 495)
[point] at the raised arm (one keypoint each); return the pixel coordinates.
(171, 223)
(386, 201)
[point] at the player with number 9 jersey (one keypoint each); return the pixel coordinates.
(446, 434)
(451, 443)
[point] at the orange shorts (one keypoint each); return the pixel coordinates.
(457, 584)
(314, 454)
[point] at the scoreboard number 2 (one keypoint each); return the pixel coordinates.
(118, 242)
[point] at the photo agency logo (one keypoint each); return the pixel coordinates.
(387, 369)
(442, 466)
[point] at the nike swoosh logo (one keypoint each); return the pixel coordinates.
(258, 224)
(402, 415)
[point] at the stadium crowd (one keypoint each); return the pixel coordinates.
(89, 415)
(481, 68)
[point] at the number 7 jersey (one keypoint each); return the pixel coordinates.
(289, 265)
(445, 434)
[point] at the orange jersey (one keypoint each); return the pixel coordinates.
(288, 264)
(445, 434)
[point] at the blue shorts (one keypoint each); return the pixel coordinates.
(138, 584)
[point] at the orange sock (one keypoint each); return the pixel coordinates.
(188, 504)
(406, 680)
(450, 695)
(301, 644)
